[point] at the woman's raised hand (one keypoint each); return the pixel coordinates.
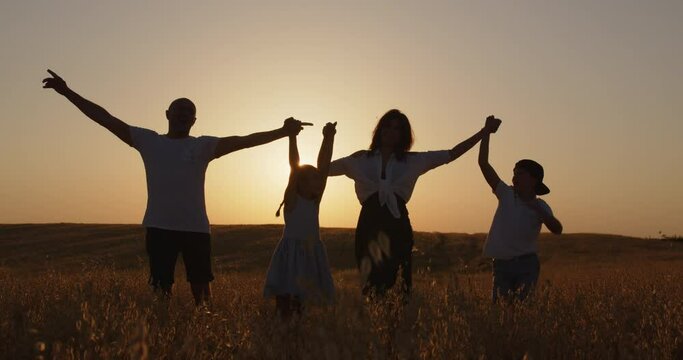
(492, 124)
(330, 129)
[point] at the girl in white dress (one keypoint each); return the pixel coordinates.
(299, 270)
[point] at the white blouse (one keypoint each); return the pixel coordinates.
(400, 176)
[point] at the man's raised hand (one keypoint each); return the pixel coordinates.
(55, 82)
(293, 126)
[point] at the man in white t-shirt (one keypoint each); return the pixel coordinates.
(512, 241)
(175, 165)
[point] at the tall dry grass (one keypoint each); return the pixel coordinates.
(633, 311)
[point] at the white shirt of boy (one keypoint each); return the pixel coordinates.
(175, 170)
(515, 226)
(400, 176)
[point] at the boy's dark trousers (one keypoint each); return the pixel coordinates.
(515, 278)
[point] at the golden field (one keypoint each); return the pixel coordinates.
(71, 291)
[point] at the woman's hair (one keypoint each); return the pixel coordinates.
(303, 170)
(406, 133)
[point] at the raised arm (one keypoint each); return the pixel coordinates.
(293, 153)
(290, 191)
(325, 154)
(487, 170)
(490, 126)
(229, 144)
(90, 109)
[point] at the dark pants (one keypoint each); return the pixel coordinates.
(163, 247)
(383, 245)
(515, 279)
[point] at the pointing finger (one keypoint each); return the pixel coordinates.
(53, 74)
(306, 124)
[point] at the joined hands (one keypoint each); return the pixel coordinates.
(330, 129)
(293, 126)
(492, 124)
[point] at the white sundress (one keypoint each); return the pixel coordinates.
(299, 266)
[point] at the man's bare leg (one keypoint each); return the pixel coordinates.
(201, 293)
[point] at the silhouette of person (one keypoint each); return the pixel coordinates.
(512, 241)
(175, 164)
(299, 270)
(385, 176)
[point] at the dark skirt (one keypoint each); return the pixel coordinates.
(383, 245)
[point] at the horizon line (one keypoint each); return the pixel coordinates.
(333, 227)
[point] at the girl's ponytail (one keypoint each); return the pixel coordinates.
(277, 213)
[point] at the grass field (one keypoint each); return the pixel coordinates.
(79, 291)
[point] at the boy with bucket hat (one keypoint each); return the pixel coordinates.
(512, 242)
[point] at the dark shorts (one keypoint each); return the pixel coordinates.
(163, 247)
(515, 279)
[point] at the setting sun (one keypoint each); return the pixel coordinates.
(573, 96)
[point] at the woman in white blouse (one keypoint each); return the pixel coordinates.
(385, 177)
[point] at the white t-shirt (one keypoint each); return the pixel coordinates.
(400, 176)
(175, 170)
(515, 226)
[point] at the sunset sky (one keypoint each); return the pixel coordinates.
(590, 89)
